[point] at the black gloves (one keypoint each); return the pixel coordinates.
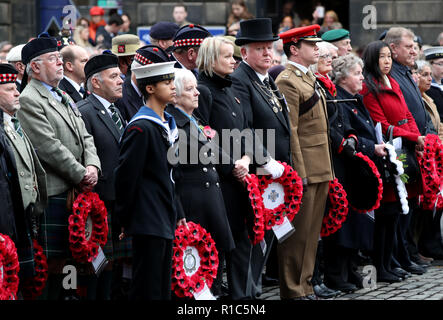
(349, 147)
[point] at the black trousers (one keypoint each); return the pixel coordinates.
(151, 268)
(404, 235)
(386, 220)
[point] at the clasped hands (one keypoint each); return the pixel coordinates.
(89, 180)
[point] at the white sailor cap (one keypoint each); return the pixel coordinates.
(433, 53)
(155, 72)
(15, 54)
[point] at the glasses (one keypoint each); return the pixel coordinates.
(52, 59)
(325, 56)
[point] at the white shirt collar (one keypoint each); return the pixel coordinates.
(299, 66)
(7, 119)
(74, 84)
(262, 77)
(136, 88)
(104, 102)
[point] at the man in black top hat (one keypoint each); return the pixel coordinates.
(63, 146)
(187, 42)
(132, 99)
(162, 34)
(104, 122)
(265, 109)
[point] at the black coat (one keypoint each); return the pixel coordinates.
(66, 86)
(437, 95)
(358, 229)
(198, 186)
(220, 109)
(106, 135)
(339, 129)
(144, 191)
(131, 102)
(259, 111)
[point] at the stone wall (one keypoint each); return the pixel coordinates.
(424, 17)
(17, 20)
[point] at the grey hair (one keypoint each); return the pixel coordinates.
(29, 68)
(395, 35)
(421, 64)
(89, 86)
(343, 65)
(323, 47)
(209, 53)
(182, 75)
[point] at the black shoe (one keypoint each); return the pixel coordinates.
(323, 292)
(402, 273)
(415, 269)
(269, 281)
(335, 292)
(345, 287)
(387, 277)
(417, 260)
(356, 279)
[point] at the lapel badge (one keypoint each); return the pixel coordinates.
(237, 99)
(298, 73)
(275, 109)
(103, 111)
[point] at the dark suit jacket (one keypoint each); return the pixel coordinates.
(66, 86)
(131, 102)
(259, 112)
(106, 135)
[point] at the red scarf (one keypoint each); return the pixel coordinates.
(329, 85)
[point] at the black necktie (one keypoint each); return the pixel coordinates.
(82, 91)
(116, 118)
(267, 84)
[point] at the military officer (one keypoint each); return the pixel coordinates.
(339, 38)
(311, 157)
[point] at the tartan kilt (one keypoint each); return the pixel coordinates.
(54, 232)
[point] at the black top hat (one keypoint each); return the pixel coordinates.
(255, 30)
(100, 62)
(150, 54)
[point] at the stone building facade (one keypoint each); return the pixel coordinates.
(19, 19)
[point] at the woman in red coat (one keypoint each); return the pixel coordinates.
(384, 100)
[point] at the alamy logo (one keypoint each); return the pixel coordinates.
(369, 277)
(370, 20)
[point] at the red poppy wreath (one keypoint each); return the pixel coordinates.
(194, 261)
(431, 166)
(274, 199)
(9, 268)
(338, 209)
(88, 227)
(33, 287)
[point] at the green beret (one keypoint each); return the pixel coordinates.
(335, 35)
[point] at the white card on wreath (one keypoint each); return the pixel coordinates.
(204, 294)
(284, 230)
(100, 262)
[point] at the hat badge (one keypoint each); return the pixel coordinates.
(121, 48)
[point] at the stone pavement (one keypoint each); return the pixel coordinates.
(428, 286)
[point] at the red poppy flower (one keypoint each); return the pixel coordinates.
(87, 204)
(9, 266)
(338, 209)
(197, 237)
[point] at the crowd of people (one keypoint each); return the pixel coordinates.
(101, 112)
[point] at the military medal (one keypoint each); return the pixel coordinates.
(275, 109)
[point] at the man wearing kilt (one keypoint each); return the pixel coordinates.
(63, 146)
(104, 122)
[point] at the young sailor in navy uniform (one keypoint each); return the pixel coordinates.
(145, 201)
